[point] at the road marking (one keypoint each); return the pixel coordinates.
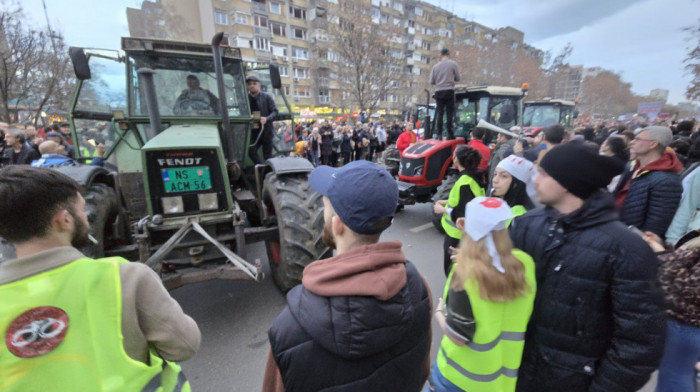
(421, 227)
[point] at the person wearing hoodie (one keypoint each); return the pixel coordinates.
(359, 321)
(651, 191)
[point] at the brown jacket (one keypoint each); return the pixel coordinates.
(149, 314)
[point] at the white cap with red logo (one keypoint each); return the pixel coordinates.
(483, 216)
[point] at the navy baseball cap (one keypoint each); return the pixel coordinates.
(362, 194)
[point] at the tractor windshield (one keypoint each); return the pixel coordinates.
(541, 115)
(186, 86)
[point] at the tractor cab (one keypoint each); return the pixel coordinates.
(182, 193)
(546, 112)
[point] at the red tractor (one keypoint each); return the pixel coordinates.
(426, 172)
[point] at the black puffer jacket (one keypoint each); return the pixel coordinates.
(598, 322)
(354, 343)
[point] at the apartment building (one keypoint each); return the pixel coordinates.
(293, 34)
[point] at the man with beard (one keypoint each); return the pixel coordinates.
(75, 323)
(360, 321)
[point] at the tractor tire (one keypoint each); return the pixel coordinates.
(391, 160)
(299, 213)
(443, 193)
(100, 208)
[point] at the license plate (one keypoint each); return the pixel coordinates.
(186, 179)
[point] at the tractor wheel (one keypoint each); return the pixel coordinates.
(391, 160)
(299, 213)
(100, 206)
(443, 193)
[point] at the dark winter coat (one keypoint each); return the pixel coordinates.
(25, 156)
(353, 343)
(345, 143)
(268, 109)
(653, 195)
(326, 140)
(598, 324)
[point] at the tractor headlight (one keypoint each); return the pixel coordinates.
(173, 205)
(417, 172)
(208, 201)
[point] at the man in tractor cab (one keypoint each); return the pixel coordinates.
(262, 106)
(74, 323)
(195, 100)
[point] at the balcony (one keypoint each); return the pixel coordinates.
(323, 81)
(263, 32)
(263, 56)
(259, 7)
(324, 99)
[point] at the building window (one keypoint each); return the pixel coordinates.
(275, 8)
(220, 17)
(241, 19)
(286, 89)
(284, 71)
(324, 95)
(278, 29)
(301, 73)
(298, 33)
(300, 53)
(398, 6)
(296, 12)
(425, 45)
(302, 92)
(260, 21)
(262, 44)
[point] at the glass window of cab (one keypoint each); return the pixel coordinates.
(187, 86)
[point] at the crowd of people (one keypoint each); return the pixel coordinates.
(51, 146)
(331, 143)
(571, 262)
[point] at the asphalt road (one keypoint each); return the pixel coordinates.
(234, 316)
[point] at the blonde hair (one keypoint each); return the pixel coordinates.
(474, 262)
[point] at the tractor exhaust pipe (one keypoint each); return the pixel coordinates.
(225, 122)
(148, 89)
(427, 132)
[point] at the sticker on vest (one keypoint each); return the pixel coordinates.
(36, 331)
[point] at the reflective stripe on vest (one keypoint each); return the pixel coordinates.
(517, 211)
(453, 201)
(90, 355)
(490, 362)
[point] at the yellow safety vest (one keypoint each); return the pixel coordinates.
(453, 201)
(62, 332)
(517, 211)
(490, 362)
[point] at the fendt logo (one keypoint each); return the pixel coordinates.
(36, 331)
(179, 161)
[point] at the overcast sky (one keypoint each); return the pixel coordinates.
(643, 40)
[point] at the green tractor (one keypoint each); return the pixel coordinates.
(179, 191)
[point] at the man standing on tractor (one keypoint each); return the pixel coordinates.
(262, 106)
(443, 76)
(72, 322)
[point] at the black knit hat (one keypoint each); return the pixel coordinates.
(579, 169)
